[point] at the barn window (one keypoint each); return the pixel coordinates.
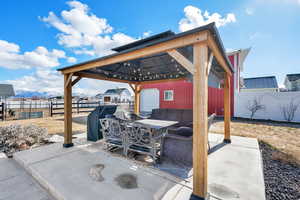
(168, 95)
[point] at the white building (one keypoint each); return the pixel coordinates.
(292, 82)
(260, 84)
(119, 95)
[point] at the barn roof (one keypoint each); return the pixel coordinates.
(115, 91)
(6, 90)
(260, 82)
(293, 77)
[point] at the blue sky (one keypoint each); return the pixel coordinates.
(37, 37)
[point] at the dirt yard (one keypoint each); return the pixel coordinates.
(54, 125)
(281, 136)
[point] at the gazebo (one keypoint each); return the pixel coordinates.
(192, 55)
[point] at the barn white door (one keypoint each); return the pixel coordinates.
(149, 99)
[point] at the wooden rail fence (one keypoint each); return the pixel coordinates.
(77, 107)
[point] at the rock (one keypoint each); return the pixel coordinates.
(282, 178)
(56, 138)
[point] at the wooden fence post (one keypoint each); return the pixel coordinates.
(51, 109)
(30, 110)
(78, 106)
(1, 111)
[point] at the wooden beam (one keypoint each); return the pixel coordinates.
(181, 60)
(67, 112)
(147, 51)
(163, 80)
(78, 78)
(200, 111)
(69, 79)
(211, 56)
(214, 48)
(99, 77)
(137, 90)
(132, 87)
(227, 109)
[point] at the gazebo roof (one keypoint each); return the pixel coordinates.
(153, 67)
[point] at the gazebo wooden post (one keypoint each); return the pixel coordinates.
(227, 110)
(137, 90)
(68, 110)
(200, 110)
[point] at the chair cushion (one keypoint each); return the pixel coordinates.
(184, 116)
(187, 116)
(174, 114)
(155, 114)
(184, 131)
(161, 114)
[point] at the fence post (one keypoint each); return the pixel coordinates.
(51, 109)
(30, 109)
(2, 111)
(78, 106)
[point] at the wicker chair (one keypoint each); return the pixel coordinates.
(178, 145)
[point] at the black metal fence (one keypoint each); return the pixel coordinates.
(2, 111)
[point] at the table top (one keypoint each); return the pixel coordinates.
(156, 124)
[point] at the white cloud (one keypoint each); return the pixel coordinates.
(51, 82)
(259, 35)
(250, 11)
(12, 58)
(194, 17)
(42, 80)
(147, 34)
(71, 59)
(85, 32)
(255, 35)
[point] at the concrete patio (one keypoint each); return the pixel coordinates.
(17, 184)
(234, 172)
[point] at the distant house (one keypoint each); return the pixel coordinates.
(260, 84)
(99, 96)
(119, 95)
(292, 82)
(6, 90)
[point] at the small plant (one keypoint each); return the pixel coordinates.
(19, 137)
(289, 110)
(254, 106)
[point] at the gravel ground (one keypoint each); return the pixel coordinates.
(282, 178)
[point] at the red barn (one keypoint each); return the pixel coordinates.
(179, 94)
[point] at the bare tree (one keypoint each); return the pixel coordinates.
(289, 110)
(254, 105)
